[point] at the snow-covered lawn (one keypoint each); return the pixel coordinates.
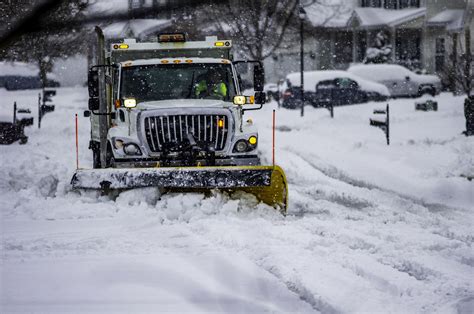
(371, 228)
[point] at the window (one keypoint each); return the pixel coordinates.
(408, 44)
(415, 3)
(177, 81)
(390, 4)
(343, 47)
(403, 4)
(439, 56)
(371, 3)
(346, 83)
(400, 4)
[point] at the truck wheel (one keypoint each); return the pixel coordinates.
(109, 158)
(109, 163)
(95, 158)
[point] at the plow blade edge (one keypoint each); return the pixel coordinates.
(267, 183)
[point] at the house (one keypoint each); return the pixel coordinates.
(20, 75)
(421, 34)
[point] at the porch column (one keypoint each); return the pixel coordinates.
(367, 38)
(393, 34)
(354, 45)
(423, 59)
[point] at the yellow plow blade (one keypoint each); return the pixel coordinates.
(275, 194)
(267, 183)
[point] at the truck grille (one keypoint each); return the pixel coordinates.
(170, 132)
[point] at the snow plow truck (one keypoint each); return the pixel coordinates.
(170, 114)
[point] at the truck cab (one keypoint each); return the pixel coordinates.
(172, 103)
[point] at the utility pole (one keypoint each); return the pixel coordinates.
(467, 68)
(302, 16)
(455, 62)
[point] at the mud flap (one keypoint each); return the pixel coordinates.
(267, 183)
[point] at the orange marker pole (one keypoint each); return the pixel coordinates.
(77, 146)
(273, 139)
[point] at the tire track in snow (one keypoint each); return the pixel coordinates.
(333, 172)
(425, 217)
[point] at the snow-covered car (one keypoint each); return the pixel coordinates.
(400, 81)
(336, 87)
(19, 76)
(271, 89)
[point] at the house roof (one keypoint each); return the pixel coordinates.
(21, 69)
(451, 19)
(377, 17)
(139, 28)
(330, 16)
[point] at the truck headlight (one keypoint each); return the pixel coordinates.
(241, 146)
(118, 144)
(132, 149)
(130, 103)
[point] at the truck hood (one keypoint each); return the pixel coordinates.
(184, 103)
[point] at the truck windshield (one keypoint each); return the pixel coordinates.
(178, 81)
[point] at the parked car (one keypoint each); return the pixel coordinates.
(271, 89)
(400, 81)
(336, 87)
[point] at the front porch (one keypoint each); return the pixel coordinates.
(402, 33)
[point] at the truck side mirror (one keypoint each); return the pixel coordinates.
(258, 78)
(260, 98)
(94, 104)
(93, 83)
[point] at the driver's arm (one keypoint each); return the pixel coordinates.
(201, 88)
(222, 89)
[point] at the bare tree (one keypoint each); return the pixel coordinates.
(48, 44)
(458, 72)
(260, 26)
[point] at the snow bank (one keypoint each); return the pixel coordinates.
(312, 78)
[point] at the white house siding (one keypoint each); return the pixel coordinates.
(287, 59)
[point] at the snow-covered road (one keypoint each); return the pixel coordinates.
(370, 228)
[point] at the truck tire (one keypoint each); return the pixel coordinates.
(96, 164)
(109, 158)
(95, 158)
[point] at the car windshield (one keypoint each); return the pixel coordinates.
(178, 81)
